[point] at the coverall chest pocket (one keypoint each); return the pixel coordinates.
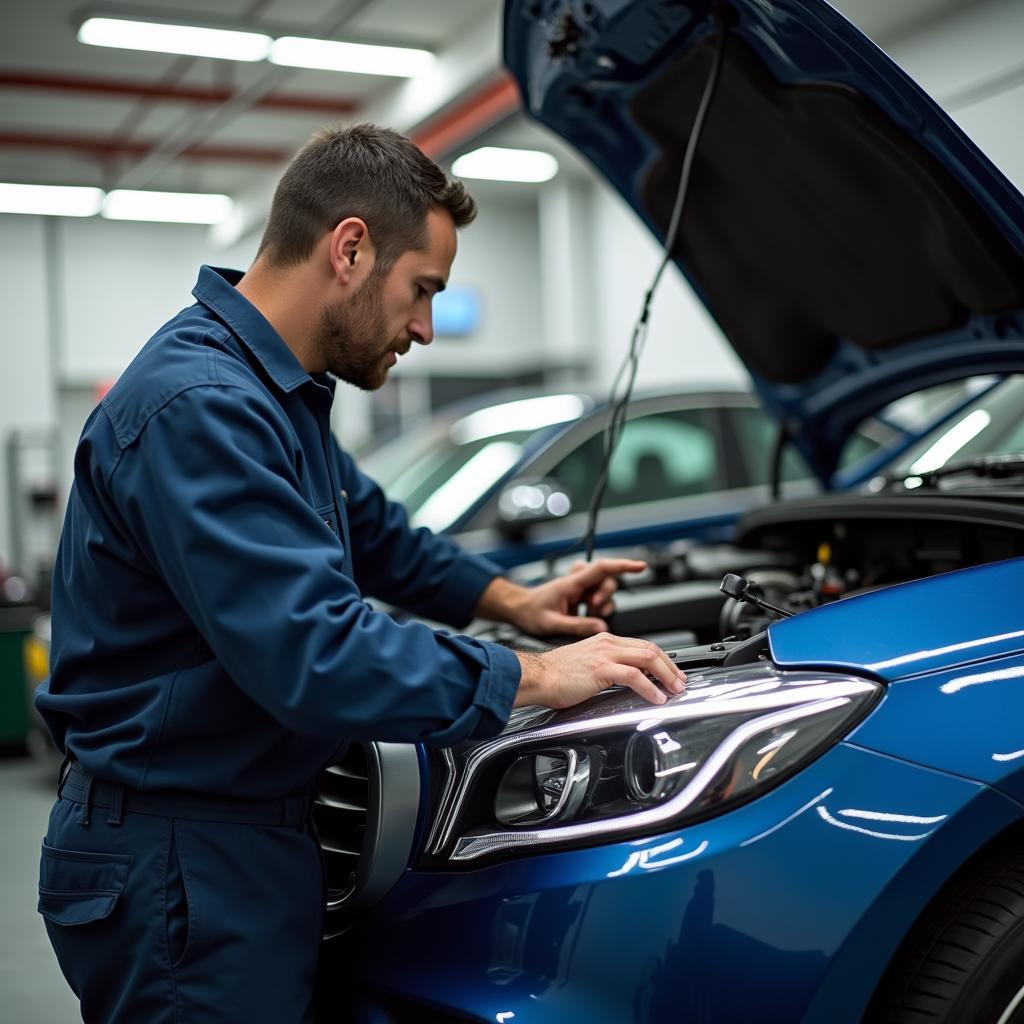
(78, 888)
(335, 518)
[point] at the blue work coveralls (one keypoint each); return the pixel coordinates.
(212, 652)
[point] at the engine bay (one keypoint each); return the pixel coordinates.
(794, 555)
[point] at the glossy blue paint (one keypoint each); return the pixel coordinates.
(764, 913)
(965, 720)
(799, 42)
(952, 620)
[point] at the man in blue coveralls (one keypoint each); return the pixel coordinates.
(212, 648)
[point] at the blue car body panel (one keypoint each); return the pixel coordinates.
(943, 622)
(618, 50)
(700, 924)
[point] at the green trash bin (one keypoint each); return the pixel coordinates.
(15, 624)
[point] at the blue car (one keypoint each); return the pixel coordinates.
(828, 825)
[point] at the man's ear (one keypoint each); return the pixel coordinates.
(351, 250)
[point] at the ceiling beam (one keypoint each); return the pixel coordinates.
(159, 92)
(468, 117)
(111, 149)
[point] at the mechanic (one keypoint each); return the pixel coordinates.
(212, 648)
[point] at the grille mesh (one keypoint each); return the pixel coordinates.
(340, 813)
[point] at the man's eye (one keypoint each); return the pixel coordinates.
(421, 292)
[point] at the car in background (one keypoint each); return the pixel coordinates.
(511, 475)
(828, 826)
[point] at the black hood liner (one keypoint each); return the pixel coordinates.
(811, 217)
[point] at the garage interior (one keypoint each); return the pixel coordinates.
(543, 292)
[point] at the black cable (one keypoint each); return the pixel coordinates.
(620, 403)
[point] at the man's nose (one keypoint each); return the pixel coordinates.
(422, 330)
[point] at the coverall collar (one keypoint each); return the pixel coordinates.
(216, 290)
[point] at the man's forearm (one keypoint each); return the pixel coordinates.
(502, 601)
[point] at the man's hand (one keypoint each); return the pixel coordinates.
(571, 674)
(551, 607)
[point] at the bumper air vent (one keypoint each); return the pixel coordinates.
(365, 814)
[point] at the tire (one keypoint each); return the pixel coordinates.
(964, 961)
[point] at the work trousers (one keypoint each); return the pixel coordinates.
(167, 917)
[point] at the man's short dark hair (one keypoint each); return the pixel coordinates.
(364, 171)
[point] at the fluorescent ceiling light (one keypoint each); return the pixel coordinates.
(187, 39)
(359, 58)
(179, 207)
(497, 164)
(51, 200)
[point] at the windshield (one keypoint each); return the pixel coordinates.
(439, 472)
(993, 424)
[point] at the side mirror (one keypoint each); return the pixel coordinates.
(524, 503)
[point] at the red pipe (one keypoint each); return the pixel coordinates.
(469, 117)
(112, 148)
(168, 93)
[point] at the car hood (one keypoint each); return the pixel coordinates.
(911, 629)
(850, 241)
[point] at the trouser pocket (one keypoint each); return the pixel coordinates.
(79, 894)
(176, 904)
(78, 888)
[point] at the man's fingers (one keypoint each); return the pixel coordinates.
(594, 572)
(604, 608)
(655, 661)
(621, 564)
(625, 675)
(576, 625)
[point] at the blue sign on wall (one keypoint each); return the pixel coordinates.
(456, 312)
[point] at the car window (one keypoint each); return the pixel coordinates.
(661, 455)
(757, 434)
(993, 424)
(906, 416)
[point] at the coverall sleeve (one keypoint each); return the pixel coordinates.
(210, 492)
(414, 569)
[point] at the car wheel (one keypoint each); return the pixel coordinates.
(964, 962)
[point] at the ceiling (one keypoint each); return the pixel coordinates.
(87, 115)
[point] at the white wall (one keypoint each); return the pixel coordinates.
(121, 281)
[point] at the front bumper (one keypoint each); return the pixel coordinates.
(786, 909)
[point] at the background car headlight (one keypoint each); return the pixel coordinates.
(618, 768)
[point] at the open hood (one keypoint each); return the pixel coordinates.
(850, 241)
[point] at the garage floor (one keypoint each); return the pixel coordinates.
(32, 987)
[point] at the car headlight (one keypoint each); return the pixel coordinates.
(618, 768)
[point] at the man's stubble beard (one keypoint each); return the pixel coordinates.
(353, 336)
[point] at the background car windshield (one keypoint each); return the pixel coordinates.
(993, 424)
(439, 472)
(447, 478)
